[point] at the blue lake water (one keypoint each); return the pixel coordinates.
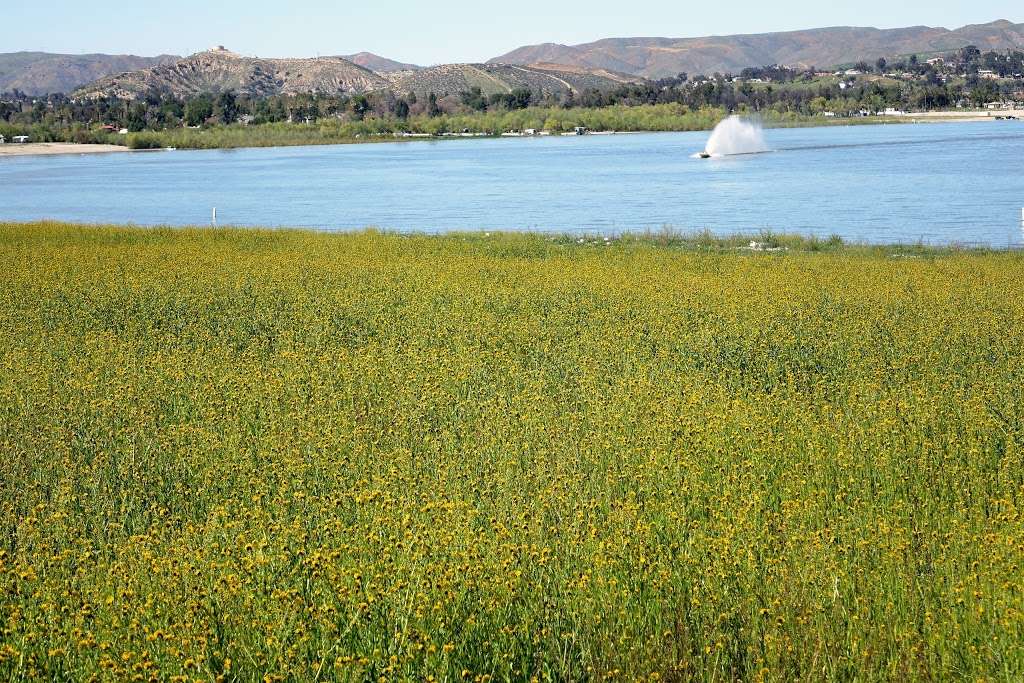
(936, 183)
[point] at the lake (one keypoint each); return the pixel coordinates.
(937, 183)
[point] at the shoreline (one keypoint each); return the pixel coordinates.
(67, 148)
(768, 242)
(28, 149)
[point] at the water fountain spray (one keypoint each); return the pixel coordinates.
(735, 135)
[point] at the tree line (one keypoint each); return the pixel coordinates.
(773, 89)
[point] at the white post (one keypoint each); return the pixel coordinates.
(215, 215)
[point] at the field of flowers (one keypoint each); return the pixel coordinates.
(277, 456)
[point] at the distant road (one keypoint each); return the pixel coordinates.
(964, 114)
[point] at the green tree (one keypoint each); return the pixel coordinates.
(227, 107)
(198, 110)
(360, 106)
(136, 117)
(474, 99)
(402, 109)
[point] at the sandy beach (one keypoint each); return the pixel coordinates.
(49, 148)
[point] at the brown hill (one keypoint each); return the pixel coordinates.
(381, 65)
(39, 73)
(450, 79)
(660, 57)
(221, 70)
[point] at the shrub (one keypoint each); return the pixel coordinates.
(144, 141)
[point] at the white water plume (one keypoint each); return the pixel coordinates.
(736, 135)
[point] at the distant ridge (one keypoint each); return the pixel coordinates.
(39, 73)
(220, 70)
(823, 47)
(381, 65)
(548, 67)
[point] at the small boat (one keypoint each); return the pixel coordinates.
(705, 155)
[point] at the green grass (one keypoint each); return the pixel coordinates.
(281, 455)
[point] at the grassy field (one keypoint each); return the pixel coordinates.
(275, 456)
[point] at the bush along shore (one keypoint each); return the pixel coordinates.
(553, 120)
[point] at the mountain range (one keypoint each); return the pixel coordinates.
(38, 73)
(221, 70)
(824, 47)
(549, 67)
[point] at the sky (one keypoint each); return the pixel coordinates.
(438, 31)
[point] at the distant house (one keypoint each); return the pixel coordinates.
(580, 130)
(3, 140)
(987, 74)
(828, 114)
(530, 131)
(110, 128)
(936, 61)
(853, 72)
(20, 139)
(246, 119)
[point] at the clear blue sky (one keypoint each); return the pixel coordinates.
(430, 32)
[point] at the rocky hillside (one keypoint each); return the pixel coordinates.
(381, 65)
(826, 47)
(39, 73)
(449, 79)
(221, 70)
